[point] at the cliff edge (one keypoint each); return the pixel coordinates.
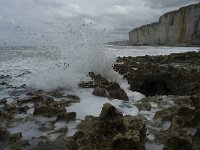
(180, 27)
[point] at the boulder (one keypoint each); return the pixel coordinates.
(109, 130)
(130, 140)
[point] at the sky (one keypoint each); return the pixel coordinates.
(117, 17)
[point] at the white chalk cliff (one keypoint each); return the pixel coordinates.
(174, 28)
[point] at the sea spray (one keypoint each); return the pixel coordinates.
(80, 48)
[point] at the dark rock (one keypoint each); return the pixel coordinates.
(106, 131)
(156, 75)
(10, 107)
(178, 141)
(128, 141)
(5, 115)
(72, 96)
(144, 104)
(3, 101)
(196, 101)
(89, 84)
(166, 114)
(67, 116)
(50, 108)
(23, 109)
(56, 93)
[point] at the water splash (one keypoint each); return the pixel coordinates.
(80, 48)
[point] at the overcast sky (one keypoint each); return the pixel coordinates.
(118, 17)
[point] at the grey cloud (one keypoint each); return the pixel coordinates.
(116, 16)
(169, 3)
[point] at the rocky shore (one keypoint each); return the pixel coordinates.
(168, 117)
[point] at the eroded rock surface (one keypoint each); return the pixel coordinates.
(176, 74)
(111, 130)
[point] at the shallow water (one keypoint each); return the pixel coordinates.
(17, 67)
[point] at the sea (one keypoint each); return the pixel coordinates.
(62, 64)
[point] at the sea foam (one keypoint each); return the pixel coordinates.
(79, 48)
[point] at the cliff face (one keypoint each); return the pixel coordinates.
(174, 28)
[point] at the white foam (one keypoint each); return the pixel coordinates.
(92, 105)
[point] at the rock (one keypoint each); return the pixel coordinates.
(102, 87)
(110, 120)
(10, 107)
(128, 141)
(177, 141)
(50, 108)
(166, 114)
(3, 101)
(33, 99)
(89, 84)
(157, 75)
(144, 104)
(188, 117)
(196, 101)
(136, 123)
(66, 116)
(56, 93)
(98, 91)
(72, 96)
(184, 101)
(116, 92)
(5, 115)
(4, 134)
(23, 109)
(106, 131)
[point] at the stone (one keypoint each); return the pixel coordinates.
(5, 115)
(50, 108)
(157, 75)
(144, 104)
(178, 141)
(72, 96)
(196, 101)
(166, 114)
(10, 107)
(66, 116)
(109, 130)
(3, 101)
(128, 141)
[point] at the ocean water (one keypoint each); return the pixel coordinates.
(78, 50)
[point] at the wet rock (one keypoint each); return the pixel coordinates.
(184, 101)
(196, 101)
(4, 115)
(33, 99)
(166, 114)
(10, 107)
(3, 101)
(144, 104)
(4, 134)
(50, 108)
(102, 87)
(157, 75)
(47, 111)
(116, 92)
(178, 141)
(188, 117)
(23, 109)
(128, 141)
(106, 131)
(67, 116)
(89, 84)
(136, 123)
(72, 96)
(56, 93)
(6, 137)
